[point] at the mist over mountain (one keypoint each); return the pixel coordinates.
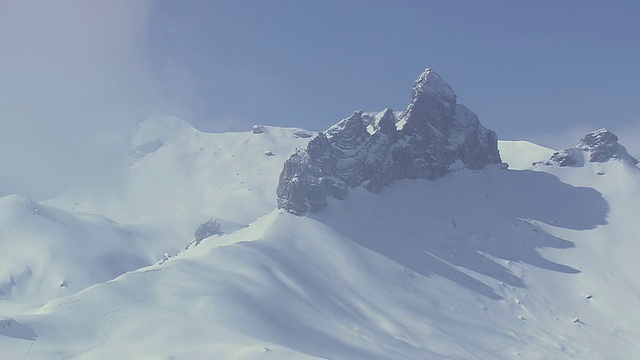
(411, 234)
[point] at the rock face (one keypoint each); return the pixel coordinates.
(567, 157)
(208, 228)
(600, 146)
(432, 137)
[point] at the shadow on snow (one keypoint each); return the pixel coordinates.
(479, 221)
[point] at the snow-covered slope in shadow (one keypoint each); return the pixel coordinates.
(48, 253)
(474, 221)
(285, 295)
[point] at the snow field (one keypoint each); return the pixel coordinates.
(534, 262)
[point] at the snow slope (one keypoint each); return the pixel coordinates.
(48, 253)
(181, 177)
(177, 178)
(533, 262)
(520, 155)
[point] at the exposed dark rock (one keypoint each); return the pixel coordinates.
(298, 190)
(600, 146)
(432, 137)
(206, 229)
(302, 134)
(138, 152)
(567, 157)
(257, 129)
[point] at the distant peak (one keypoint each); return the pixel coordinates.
(600, 145)
(600, 137)
(155, 132)
(430, 81)
(428, 73)
(433, 104)
(603, 146)
(353, 123)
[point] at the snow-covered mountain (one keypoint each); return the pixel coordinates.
(431, 138)
(601, 146)
(533, 261)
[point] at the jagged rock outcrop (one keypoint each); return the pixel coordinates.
(431, 138)
(602, 145)
(599, 146)
(567, 157)
(208, 228)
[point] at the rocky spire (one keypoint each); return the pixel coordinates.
(432, 136)
(433, 102)
(429, 82)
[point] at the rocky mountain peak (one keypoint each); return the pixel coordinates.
(385, 122)
(429, 82)
(431, 138)
(600, 146)
(433, 102)
(349, 132)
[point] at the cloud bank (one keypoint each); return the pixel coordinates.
(75, 81)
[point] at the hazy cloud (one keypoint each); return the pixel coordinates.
(74, 80)
(561, 139)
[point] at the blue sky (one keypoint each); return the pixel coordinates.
(525, 67)
(77, 76)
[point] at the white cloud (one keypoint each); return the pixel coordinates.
(561, 139)
(75, 80)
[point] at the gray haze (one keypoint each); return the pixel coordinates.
(74, 83)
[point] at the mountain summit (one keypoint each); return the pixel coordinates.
(600, 146)
(433, 101)
(431, 138)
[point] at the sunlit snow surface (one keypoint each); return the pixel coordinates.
(534, 262)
